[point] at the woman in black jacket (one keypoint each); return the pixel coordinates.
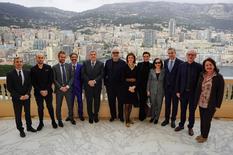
(209, 96)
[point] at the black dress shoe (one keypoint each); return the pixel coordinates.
(173, 124)
(191, 133)
(81, 118)
(31, 129)
(22, 134)
(96, 120)
(90, 121)
(68, 119)
(40, 126)
(164, 123)
(112, 119)
(155, 121)
(122, 120)
(54, 124)
(179, 128)
(151, 120)
(72, 121)
(60, 124)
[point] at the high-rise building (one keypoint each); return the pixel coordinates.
(172, 27)
(149, 38)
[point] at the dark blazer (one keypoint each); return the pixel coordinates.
(89, 73)
(14, 86)
(77, 80)
(170, 77)
(57, 76)
(143, 78)
(182, 76)
(114, 78)
(217, 91)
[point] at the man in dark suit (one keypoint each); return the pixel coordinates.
(63, 80)
(143, 69)
(42, 79)
(77, 84)
(92, 74)
(19, 85)
(171, 66)
(187, 78)
(114, 82)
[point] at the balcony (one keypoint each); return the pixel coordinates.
(6, 109)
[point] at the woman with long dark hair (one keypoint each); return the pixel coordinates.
(209, 96)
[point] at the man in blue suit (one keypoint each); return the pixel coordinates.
(171, 67)
(186, 84)
(77, 84)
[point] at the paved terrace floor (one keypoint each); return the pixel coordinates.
(114, 139)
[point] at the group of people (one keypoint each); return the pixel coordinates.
(127, 85)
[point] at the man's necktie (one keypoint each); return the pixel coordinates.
(20, 78)
(63, 74)
(92, 65)
(170, 65)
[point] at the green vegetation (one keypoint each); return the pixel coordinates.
(4, 69)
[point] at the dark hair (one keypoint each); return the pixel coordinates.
(61, 52)
(155, 61)
(211, 61)
(131, 54)
(73, 54)
(16, 58)
(172, 49)
(145, 53)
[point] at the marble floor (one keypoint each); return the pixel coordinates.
(114, 139)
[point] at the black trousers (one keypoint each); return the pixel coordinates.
(187, 99)
(93, 96)
(206, 115)
(142, 103)
(40, 104)
(18, 105)
(170, 100)
(113, 94)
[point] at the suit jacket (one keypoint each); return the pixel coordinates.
(142, 75)
(182, 76)
(89, 73)
(170, 77)
(114, 77)
(14, 85)
(77, 80)
(216, 93)
(57, 76)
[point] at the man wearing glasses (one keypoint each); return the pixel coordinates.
(114, 82)
(187, 78)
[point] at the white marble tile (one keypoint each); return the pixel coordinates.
(114, 139)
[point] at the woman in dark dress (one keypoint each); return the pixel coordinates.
(131, 98)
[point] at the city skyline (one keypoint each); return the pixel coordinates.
(79, 6)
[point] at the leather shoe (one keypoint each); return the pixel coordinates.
(60, 124)
(202, 140)
(22, 134)
(81, 118)
(164, 123)
(198, 137)
(179, 128)
(68, 119)
(72, 121)
(31, 129)
(191, 133)
(155, 121)
(54, 124)
(91, 121)
(151, 120)
(122, 120)
(173, 124)
(111, 119)
(40, 126)
(96, 120)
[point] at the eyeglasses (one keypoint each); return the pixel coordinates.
(157, 62)
(115, 52)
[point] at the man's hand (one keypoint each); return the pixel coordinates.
(63, 89)
(24, 97)
(178, 95)
(91, 83)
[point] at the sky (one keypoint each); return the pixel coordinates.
(82, 5)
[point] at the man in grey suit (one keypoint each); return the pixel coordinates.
(63, 81)
(92, 74)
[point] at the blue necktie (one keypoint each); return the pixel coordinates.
(63, 74)
(170, 65)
